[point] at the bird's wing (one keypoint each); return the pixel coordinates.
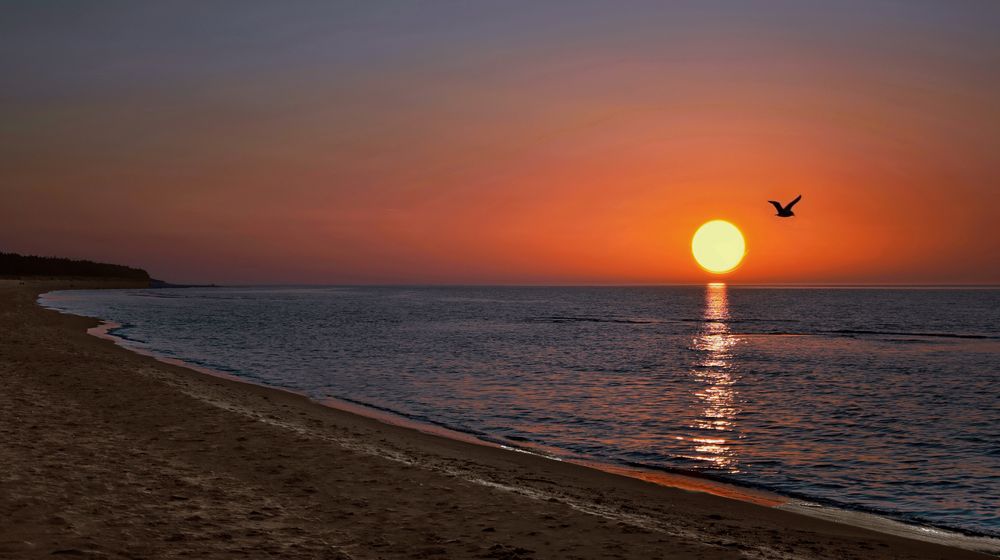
(792, 203)
(777, 205)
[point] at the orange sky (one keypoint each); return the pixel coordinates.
(468, 144)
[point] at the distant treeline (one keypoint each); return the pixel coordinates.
(12, 264)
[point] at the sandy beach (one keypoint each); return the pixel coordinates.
(110, 454)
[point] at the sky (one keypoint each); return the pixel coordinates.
(503, 142)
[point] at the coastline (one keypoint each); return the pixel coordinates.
(676, 480)
(661, 478)
(392, 491)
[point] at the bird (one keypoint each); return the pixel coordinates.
(785, 211)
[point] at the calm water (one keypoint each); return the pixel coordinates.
(878, 399)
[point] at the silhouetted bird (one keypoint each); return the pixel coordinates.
(785, 211)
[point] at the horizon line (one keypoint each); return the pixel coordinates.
(592, 285)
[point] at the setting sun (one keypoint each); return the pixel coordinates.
(718, 246)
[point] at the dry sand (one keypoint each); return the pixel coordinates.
(108, 454)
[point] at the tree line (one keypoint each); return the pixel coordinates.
(13, 264)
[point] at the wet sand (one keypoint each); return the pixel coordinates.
(109, 454)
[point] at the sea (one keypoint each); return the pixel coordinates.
(884, 400)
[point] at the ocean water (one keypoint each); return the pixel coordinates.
(885, 400)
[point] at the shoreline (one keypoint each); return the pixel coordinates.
(504, 496)
(669, 479)
(679, 480)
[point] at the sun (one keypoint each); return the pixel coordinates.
(718, 246)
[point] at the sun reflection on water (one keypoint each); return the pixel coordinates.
(717, 395)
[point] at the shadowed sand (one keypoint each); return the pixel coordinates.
(109, 454)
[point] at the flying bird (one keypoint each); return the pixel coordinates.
(785, 211)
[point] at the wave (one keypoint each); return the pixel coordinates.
(560, 319)
(907, 333)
